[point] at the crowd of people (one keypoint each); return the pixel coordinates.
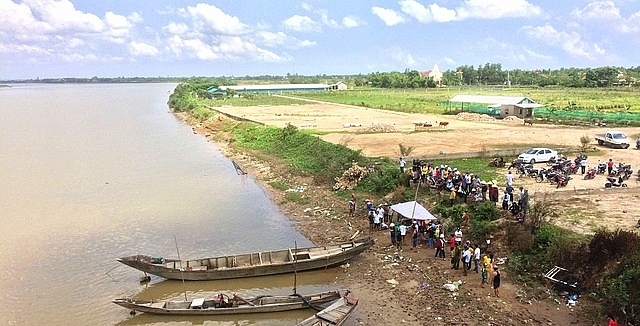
(463, 187)
(466, 254)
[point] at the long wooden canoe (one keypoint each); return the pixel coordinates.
(333, 315)
(222, 304)
(251, 264)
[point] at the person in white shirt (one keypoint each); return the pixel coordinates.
(466, 260)
(402, 164)
(403, 231)
(476, 258)
(510, 179)
(376, 221)
(458, 236)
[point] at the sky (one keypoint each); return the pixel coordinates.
(151, 38)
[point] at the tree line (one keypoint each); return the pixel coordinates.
(493, 74)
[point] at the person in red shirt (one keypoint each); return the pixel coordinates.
(452, 244)
(612, 321)
(465, 217)
(610, 166)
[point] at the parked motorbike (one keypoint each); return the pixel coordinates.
(590, 174)
(612, 182)
(602, 167)
(555, 160)
(543, 175)
(515, 164)
(563, 180)
(497, 162)
(525, 169)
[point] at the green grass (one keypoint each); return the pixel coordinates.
(605, 100)
(278, 184)
(478, 166)
(253, 100)
(297, 197)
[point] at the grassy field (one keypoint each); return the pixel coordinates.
(252, 100)
(429, 100)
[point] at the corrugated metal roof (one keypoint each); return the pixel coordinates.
(488, 99)
(275, 87)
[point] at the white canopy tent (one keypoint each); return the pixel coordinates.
(413, 210)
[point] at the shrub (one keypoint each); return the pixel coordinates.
(584, 141)
(621, 292)
(383, 181)
(484, 211)
(480, 230)
(545, 236)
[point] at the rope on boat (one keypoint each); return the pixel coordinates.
(307, 302)
(238, 168)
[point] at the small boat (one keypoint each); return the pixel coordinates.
(333, 315)
(250, 264)
(222, 304)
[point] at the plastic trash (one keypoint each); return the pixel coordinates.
(450, 287)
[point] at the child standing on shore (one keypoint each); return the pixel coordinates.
(484, 275)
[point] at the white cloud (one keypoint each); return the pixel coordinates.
(632, 24)
(416, 10)
(301, 24)
(209, 18)
(324, 18)
(536, 55)
(441, 14)
(482, 9)
(388, 16)
(307, 43)
(598, 10)
(118, 27)
(62, 15)
(24, 49)
(570, 42)
(495, 9)
(143, 49)
(191, 48)
(401, 56)
(271, 39)
(233, 47)
(306, 6)
(449, 61)
(608, 15)
(352, 21)
(176, 28)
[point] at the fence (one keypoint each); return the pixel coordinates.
(573, 116)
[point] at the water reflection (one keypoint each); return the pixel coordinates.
(307, 282)
(267, 319)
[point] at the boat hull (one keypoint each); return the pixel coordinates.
(335, 314)
(255, 264)
(282, 303)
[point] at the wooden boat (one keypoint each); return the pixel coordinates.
(222, 304)
(250, 264)
(333, 315)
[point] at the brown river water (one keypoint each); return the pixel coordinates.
(90, 173)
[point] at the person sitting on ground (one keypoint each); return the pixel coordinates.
(515, 209)
(520, 217)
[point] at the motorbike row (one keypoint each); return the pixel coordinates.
(560, 169)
